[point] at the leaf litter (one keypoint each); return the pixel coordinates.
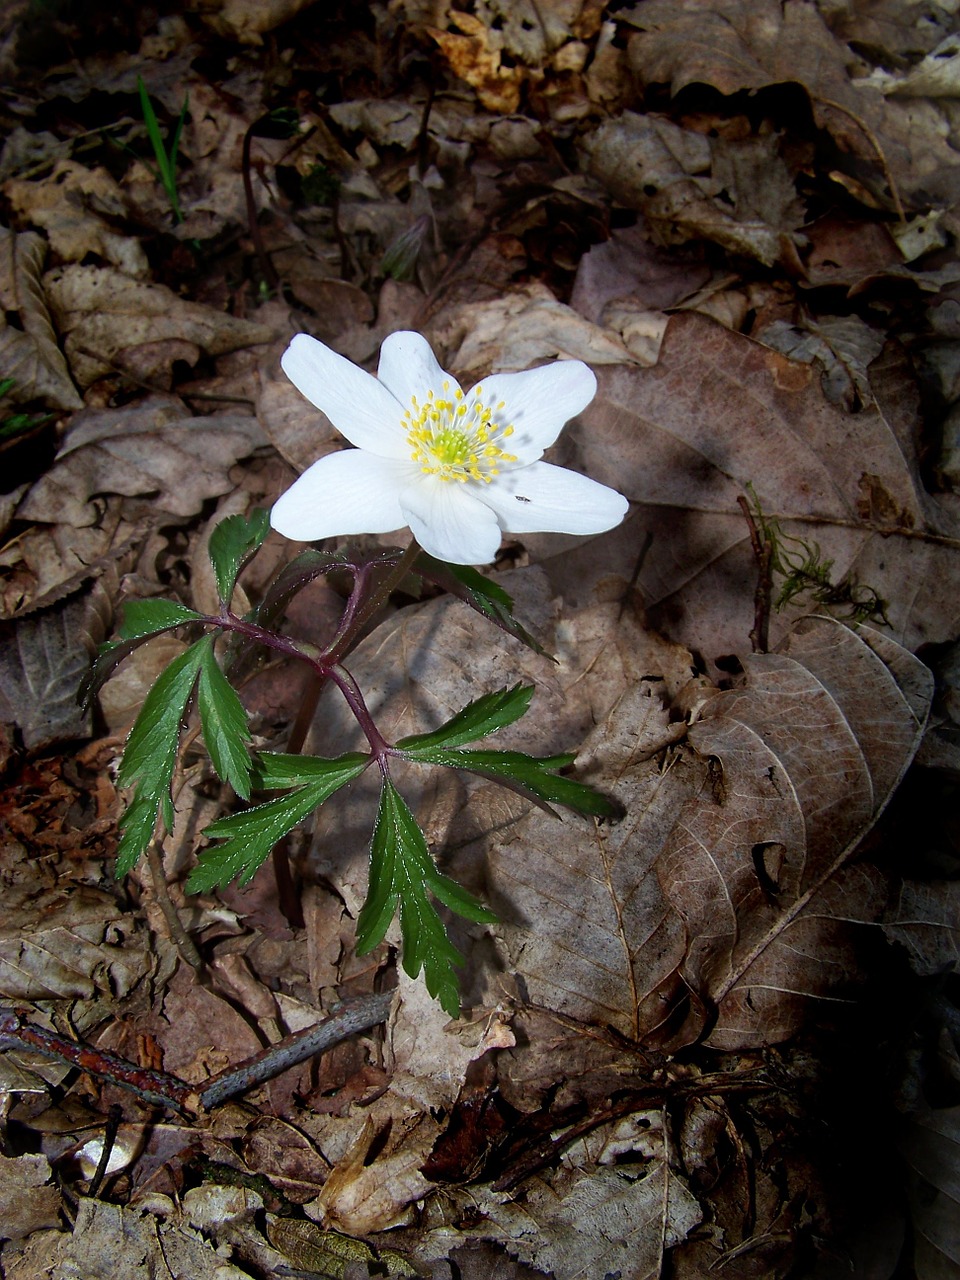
(744, 218)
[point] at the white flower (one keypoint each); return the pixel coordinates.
(459, 468)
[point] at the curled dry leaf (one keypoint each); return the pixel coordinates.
(736, 45)
(723, 887)
(111, 321)
(30, 354)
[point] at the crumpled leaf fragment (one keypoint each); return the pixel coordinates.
(72, 205)
(473, 51)
(581, 1221)
(111, 320)
(843, 346)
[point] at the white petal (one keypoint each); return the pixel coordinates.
(344, 493)
(359, 406)
(539, 402)
(409, 368)
(545, 499)
(449, 522)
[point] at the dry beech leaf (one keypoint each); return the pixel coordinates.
(30, 354)
(719, 413)
(718, 883)
(810, 750)
(110, 320)
(154, 448)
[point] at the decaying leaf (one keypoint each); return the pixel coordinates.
(719, 888)
(739, 194)
(155, 448)
(930, 1143)
(110, 321)
(617, 1215)
(720, 413)
(42, 661)
(29, 1200)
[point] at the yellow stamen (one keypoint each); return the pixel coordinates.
(458, 439)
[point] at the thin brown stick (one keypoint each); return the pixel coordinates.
(166, 1090)
(763, 595)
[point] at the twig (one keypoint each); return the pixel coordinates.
(181, 939)
(351, 1017)
(166, 1090)
(266, 263)
(763, 553)
(112, 1128)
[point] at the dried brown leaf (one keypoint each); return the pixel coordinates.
(688, 186)
(718, 887)
(720, 413)
(31, 354)
(154, 448)
(110, 320)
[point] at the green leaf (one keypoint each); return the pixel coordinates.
(532, 776)
(143, 618)
(402, 873)
(224, 724)
(151, 753)
(276, 771)
(249, 836)
(478, 719)
(232, 543)
(480, 593)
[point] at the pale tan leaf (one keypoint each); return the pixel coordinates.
(110, 319)
(582, 1221)
(154, 448)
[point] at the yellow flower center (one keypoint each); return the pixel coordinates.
(457, 439)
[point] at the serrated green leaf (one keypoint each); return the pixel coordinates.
(478, 719)
(480, 593)
(533, 776)
(151, 754)
(276, 771)
(232, 543)
(249, 836)
(224, 724)
(401, 874)
(147, 617)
